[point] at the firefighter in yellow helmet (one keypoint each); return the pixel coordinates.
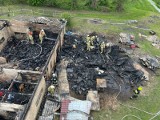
(30, 35)
(88, 42)
(51, 89)
(88, 45)
(136, 92)
(102, 46)
(92, 39)
(42, 34)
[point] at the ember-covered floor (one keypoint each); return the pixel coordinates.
(23, 55)
(84, 67)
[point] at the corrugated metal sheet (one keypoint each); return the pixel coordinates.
(46, 118)
(76, 116)
(83, 106)
(48, 110)
(75, 110)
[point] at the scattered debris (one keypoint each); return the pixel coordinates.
(101, 84)
(128, 40)
(75, 109)
(96, 21)
(82, 69)
(10, 107)
(152, 32)
(50, 107)
(26, 56)
(152, 38)
(94, 98)
(139, 67)
(142, 36)
(150, 62)
(132, 21)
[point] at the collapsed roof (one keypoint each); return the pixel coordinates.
(84, 67)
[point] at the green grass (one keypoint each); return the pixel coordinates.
(148, 48)
(149, 102)
(139, 10)
(157, 3)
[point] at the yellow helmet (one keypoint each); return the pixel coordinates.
(139, 88)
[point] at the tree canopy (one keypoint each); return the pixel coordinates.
(100, 5)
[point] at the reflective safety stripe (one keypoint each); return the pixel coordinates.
(136, 91)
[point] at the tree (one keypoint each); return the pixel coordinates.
(103, 3)
(119, 5)
(51, 3)
(74, 4)
(35, 2)
(92, 3)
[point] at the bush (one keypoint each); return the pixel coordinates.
(67, 16)
(35, 2)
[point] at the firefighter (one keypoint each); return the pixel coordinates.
(102, 46)
(136, 92)
(88, 38)
(88, 45)
(30, 35)
(54, 79)
(21, 87)
(92, 39)
(88, 42)
(51, 89)
(42, 34)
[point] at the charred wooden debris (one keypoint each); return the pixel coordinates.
(84, 67)
(24, 66)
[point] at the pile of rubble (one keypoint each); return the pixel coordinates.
(25, 55)
(150, 62)
(152, 38)
(85, 67)
(4, 85)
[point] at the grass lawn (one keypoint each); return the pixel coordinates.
(139, 10)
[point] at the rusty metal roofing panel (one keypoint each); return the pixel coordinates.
(64, 106)
(64, 109)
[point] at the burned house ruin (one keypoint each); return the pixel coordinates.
(93, 70)
(26, 70)
(25, 67)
